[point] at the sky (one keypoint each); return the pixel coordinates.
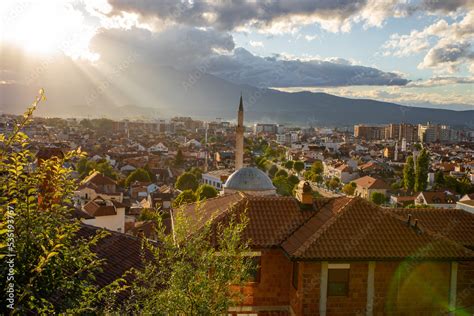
(417, 53)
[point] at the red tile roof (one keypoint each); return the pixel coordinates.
(98, 179)
(371, 183)
(335, 229)
(457, 225)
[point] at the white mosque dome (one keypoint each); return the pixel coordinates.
(249, 180)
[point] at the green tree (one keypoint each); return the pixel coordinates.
(409, 174)
(378, 198)
(205, 191)
(85, 167)
(334, 183)
(281, 173)
(188, 275)
(294, 180)
(298, 166)
(187, 181)
(53, 268)
(179, 159)
(197, 172)
(185, 197)
(273, 170)
(439, 178)
(289, 164)
(282, 185)
(349, 188)
(317, 167)
(421, 172)
(137, 175)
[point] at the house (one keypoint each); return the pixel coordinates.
(216, 178)
(158, 148)
(466, 205)
(98, 185)
(437, 199)
(368, 185)
(346, 256)
(103, 213)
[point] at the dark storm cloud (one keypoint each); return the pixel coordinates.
(226, 15)
(187, 48)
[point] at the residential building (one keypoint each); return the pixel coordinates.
(368, 185)
(103, 213)
(216, 178)
(369, 132)
(342, 255)
(436, 199)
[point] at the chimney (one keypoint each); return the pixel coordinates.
(304, 193)
(409, 220)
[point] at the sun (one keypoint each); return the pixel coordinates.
(46, 28)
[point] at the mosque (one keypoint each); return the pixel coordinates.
(248, 180)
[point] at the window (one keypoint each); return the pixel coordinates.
(255, 269)
(296, 271)
(338, 280)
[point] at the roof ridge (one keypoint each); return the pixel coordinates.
(325, 226)
(429, 232)
(306, 221)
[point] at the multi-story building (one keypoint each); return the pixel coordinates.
(267, 128)
(434, 133)
(409, 132)
(369, 132)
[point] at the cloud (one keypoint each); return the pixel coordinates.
(440, 81)
(448, 46)
(245, 68)
(447, 57)
(270, 16)
(310, 38)
(256, 44)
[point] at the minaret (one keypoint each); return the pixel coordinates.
(239, 138)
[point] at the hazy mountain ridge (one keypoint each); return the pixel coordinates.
(206, 96)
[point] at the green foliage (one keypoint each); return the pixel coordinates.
(147, 214)
(272, 171)
(185, 197)
(317, 167)
(187, 275)
(281, 173)
(298, 166)
(349, 188)
(378, 198)
(260, 162)
(86, 167)
(289, 164)
(197, 172)
(409, 174)
(333, 183)
(421, 172)
(461, 186)
(140, 175)
(187, 181)
(282, 185)
(53, 268)
(179, 159)
(314, 177)
(205, 191)
(294, 180)
(439, 178)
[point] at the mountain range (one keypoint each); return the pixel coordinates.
(131, 94)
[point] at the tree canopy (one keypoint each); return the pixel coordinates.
(187, 181)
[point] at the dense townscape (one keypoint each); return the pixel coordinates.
(341, 207)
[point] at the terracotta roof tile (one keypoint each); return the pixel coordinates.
(455, 224)
(371, 183)
(335, 229)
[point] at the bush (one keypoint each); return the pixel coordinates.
(187, 181)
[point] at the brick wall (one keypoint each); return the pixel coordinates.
(465, 293)
(275, 281)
